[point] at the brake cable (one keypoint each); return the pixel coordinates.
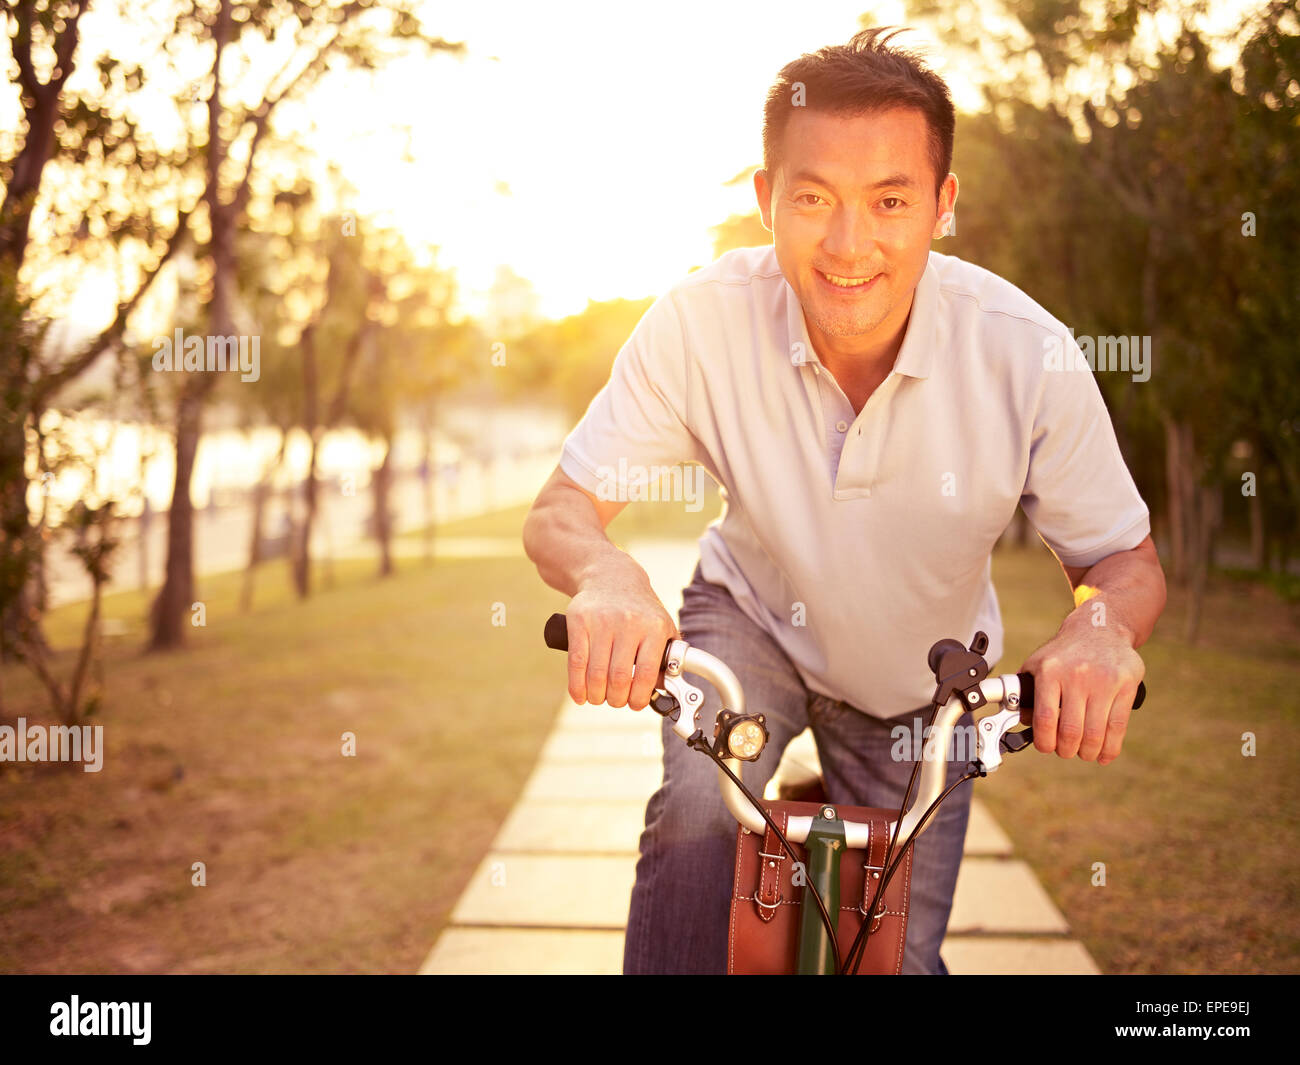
(859, 941)
(858, 950)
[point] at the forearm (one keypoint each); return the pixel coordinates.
(1124, 592)
(564, 538)
(617, 626)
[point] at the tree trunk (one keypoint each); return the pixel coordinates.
(177, 593)
(1175, 496)
(383, 523)
(1258, 554)
(1200, 562)
(302, 539)
(15, 535)
(1202, 506)
(260, 493)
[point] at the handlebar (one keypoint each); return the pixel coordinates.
(1006, 694)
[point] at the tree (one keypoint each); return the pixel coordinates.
(111, 174)
(351, 31)
(1131, 141)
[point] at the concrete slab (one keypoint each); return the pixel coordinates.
(604, 826)
(984, 836)
(525, 952)
(996, 895)
(548, 891)
(608, 780)
(601, 718)
(552, 952)
(989, 955)
(597, 746)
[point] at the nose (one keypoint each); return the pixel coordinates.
(851, 237)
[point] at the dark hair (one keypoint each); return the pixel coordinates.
(867, 74)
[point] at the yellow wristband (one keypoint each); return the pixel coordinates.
(1083, 593)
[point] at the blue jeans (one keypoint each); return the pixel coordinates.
(680, 904)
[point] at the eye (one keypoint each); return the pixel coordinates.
(895, 201)
(805, 196)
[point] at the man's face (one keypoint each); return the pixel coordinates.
(853, 197)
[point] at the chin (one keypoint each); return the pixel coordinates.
(845, 325)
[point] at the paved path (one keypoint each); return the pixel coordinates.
(552, 894)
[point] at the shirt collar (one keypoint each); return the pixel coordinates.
(915, 357)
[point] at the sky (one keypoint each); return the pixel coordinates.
(587, 145)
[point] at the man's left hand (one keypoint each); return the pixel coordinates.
(1085, 681)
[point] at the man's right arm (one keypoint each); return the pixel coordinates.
(616, 622)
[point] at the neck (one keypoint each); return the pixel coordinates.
(860, 363)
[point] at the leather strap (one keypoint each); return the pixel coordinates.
(873, 865)
(768, 896)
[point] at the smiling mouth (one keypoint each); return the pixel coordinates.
(848, 282)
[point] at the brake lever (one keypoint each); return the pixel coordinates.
(674, 696)
(994, 737)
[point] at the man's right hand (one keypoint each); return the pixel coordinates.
(616, 624)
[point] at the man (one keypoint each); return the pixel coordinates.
(874, 413)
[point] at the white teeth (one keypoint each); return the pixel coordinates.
(847, 282)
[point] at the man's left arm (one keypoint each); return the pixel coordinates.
(1087, 675)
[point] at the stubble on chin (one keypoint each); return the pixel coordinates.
(844, 325)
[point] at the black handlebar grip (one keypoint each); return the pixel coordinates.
(1027, 692)
(557, 633)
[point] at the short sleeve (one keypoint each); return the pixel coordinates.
(1079, 493)
(637, 423)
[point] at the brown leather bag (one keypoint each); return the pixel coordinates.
(766, 908)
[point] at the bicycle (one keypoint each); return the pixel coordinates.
(962, 685)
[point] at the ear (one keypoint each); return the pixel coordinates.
(763, 192)
(946, 224)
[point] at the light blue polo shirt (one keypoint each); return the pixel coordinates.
(858, 540)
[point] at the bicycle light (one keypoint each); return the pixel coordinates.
(740, 736)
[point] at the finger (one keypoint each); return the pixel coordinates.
(621, 660)
(1047, 710)
(1069, 728)
(579, 655)
(649, 656)
(1117, 725)
(1095, 717)
(602, 645)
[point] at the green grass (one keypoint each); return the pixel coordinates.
(1197, 840)
(229, 753)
